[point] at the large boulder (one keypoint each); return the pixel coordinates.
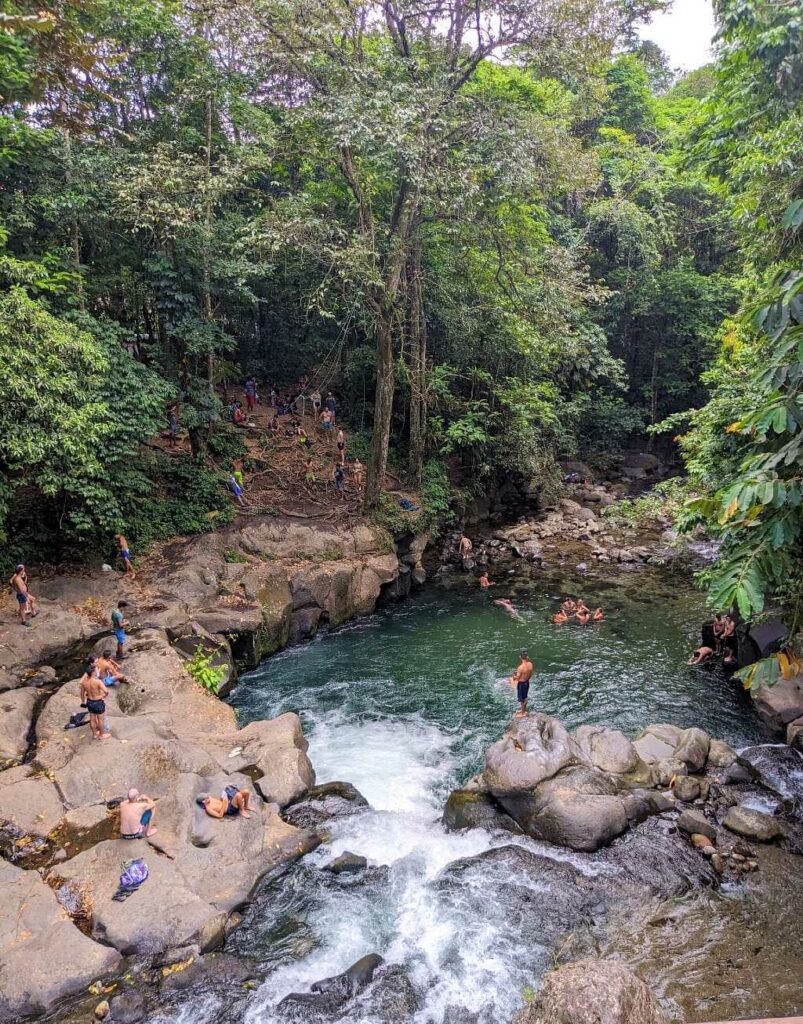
(777, 768)
(780, 703)
(593, 992)
(43, 956)
(534, 748)
(325, 803)
(16, 712)
(475, 809)
(720, 754)
(577, 808)
(692, 748)
(30, 804)
(751, 824)
(274, 754)
(657, 742)
(607, 749)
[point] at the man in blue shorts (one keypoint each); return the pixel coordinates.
(521, 680)
(118, 625)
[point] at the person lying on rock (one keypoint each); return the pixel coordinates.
(521, 680)
(232, 802)
(93, 695)
(108, 669)
(136, 815)
(700, 655)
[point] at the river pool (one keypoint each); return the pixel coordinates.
(403, 705)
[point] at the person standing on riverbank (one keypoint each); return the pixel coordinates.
(26, 602)
(521, 680)
(125, 554)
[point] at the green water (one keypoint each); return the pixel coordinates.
(442, 658)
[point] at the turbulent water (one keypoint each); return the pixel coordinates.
(403, 705)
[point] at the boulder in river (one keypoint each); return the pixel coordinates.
(474, 809)
(720, 754)
(533, 749)
(695, 822)
(324, 803)
(692, 748)
(657, 742)
(777, 768)
(751, 824)
(607, 749)
(346, 864)
(592, 992)
(578, 808)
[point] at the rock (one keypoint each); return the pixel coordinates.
(794, 734)
(128, 1007)
(347, 863)
(472, 809)
(692, 748)
(695, 822)
(718, 863)
(577, 808)
(102, 1009)
(667, 769)
(607, 749)
(782, 702)
(326, 997)
(304, 624)
(43, 956)
(325, 803)
(720, 755)
(735, 774)
(534, 748)
(29, 803)
(778, 769)
(16, 711)
(756, 825)
(701, 842)
(657, 742)
(592, 992)
(354, 979)
(274, 753)
(686, 788)
(390, 999)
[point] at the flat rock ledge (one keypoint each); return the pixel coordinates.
(60, 928)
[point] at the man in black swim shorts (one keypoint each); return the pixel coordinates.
(521, 680)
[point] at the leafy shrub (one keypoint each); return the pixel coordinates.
(663, 501)
(204, 673)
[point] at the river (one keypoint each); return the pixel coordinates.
(403, 705)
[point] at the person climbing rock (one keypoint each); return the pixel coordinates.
(341, 446)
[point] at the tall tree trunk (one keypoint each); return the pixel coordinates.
(75, 228)
(207, 243)
(656, 351)
(418, 362)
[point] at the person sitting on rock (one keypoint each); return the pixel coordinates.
(484, 581)
(700, 655)
(136, 815)
(108, 669)
(559, 617)
(232, 801)
(598, 615)
(93, 696)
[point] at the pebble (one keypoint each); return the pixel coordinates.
(102, 1009)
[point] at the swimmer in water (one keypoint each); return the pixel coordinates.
(559, 618)
(582, 615)
(598, 615)
(484, 581)
(506, 605)
(568, 607)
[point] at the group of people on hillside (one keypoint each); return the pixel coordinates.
(577, 610)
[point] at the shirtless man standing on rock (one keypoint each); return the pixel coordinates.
(521, 680)
(94, 694)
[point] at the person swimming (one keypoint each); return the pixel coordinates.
(568, 607)
(506, 605)
(583, 615)
(700, 655)
(560, 617)
(598, 615)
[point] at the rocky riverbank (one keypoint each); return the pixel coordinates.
(242, 595)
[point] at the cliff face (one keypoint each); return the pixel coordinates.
(241, 593)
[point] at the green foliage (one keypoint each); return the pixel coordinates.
(204, 673)
(662, 502)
